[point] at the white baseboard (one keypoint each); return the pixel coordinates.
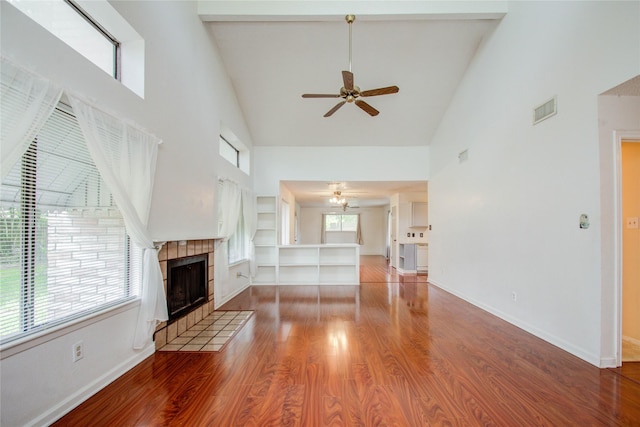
(550, 338)
(71, 402)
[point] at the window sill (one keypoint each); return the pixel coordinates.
(237, 263)
(25, 343)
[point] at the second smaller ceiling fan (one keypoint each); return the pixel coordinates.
(351, 93)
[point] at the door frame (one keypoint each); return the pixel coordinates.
(618, 137)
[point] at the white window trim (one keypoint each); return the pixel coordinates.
(33, 340)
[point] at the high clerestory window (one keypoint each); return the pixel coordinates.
(64, 249)
(229, 152)
(96, 30)
(68, 21)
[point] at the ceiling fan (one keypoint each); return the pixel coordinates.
(339, 200)
(351, 93)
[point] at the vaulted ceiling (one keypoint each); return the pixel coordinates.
(276, 51)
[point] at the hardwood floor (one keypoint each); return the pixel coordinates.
(394, 351)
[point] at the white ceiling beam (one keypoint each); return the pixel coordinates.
(310, 10)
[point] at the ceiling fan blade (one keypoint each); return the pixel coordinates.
(334, 109)
(367, 108)
(347, 78)
(319, 95)
(380, 91)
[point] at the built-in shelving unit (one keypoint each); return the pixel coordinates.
(339, 265)
(406, 258)
(299, 264)
(319, 265)
(265, 241)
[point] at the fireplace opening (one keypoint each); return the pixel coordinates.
(186, 284)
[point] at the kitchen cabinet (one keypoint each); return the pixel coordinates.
(422, 258)
(406, 258)
(419, 214)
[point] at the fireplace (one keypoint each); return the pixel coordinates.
(186, 284)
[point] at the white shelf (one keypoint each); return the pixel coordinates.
(406, 258)
(265, 241)
(298, 255)
(319, 264)
(338, 274)
(266, 204)
(265, 238)
(298, 274)
(265, 274)
(266, 255)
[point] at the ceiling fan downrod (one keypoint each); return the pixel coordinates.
(350, 19)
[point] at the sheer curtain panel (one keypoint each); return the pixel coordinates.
(126, 159)
(249, 213)
(26, 102)
(229, 213)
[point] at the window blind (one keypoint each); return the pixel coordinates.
(64, 250)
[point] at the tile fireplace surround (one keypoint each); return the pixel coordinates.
(180, 249)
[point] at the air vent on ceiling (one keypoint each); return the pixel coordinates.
(544, 111)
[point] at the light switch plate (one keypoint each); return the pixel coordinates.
(632, 222)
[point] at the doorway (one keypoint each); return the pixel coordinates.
(392, 236)
(630, 232)
(285, 223)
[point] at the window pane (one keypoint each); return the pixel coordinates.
(332, 222)
(64, 22)
(349, 222)
(228, 152)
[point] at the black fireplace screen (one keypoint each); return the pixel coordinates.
(186, 284)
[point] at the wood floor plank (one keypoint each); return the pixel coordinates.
(394, 351)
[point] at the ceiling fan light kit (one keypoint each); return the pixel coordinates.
(351, 93)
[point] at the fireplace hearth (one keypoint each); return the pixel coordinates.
(186, 285)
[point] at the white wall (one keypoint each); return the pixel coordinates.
(373, 227)
(273, 164)
(506, 220)
(187, 97)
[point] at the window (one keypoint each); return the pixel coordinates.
(341, 228)
(233, 150)
(72, 24)
(64, 250)
(229, 152)
(341, 222)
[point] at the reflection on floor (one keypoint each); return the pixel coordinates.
(211, 333)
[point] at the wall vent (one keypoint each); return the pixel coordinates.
(463, 156)
(544, 111)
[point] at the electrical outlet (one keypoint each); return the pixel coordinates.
(514, 296)
(632, 222)
(78, 351)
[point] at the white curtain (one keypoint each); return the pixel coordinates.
(26, 102)
(126, 159)
(229, 213)
(359, 232)
(249, 213)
